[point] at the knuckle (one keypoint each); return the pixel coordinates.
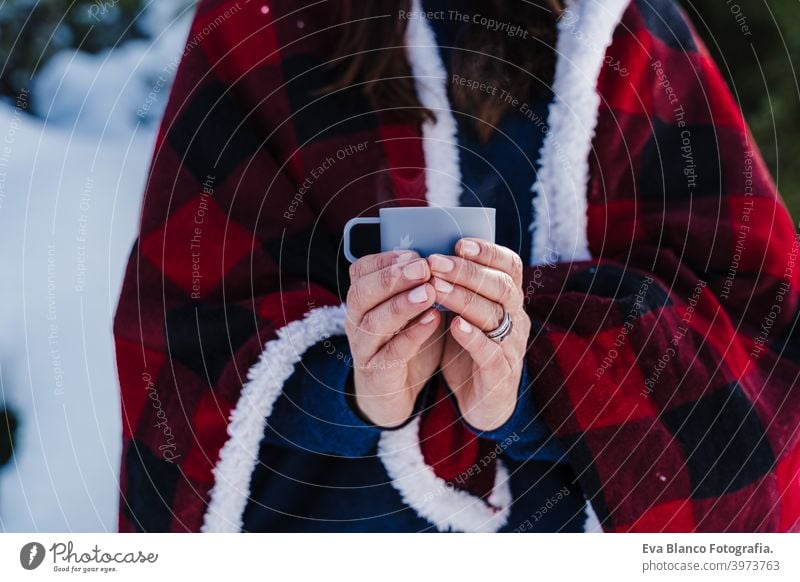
(507, 288)
(473, 271)
(494, 253)
(469, 273)
(387, 278)
(469, 299)
(391, 352)
(395, 307)
(383, 260)
(354, 270)
(499, 311)
(516, 267)
(482, 343)
(354, 296)
(367, 323)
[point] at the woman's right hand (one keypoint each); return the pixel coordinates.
(395, 335)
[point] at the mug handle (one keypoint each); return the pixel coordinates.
(349, 226)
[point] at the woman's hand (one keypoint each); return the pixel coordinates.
(479, 285)
(395, 335)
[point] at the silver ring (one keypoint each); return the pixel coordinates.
(503, 330)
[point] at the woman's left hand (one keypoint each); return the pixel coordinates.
(479, 285)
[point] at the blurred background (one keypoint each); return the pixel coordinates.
(82, 88)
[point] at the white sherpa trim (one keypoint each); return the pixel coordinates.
(559, 208)
(266, 378)
(448, 508)
(439, 137)
(592, 523)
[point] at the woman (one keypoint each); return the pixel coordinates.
(647, 381)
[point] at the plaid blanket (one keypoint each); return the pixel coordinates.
(663, 355)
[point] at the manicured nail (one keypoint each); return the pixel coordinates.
(415, 270)
(464, 326)
(441, 263)
(418, 294)
(404, 257)
(442, 286)
(469, 248)
(429, 317)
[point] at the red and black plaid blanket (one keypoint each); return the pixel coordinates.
(666, 365)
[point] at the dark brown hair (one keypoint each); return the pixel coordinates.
(518, 58)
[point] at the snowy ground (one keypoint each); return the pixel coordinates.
(70, 189)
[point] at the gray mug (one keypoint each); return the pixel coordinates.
(426, 229)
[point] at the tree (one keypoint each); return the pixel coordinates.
(31, 31)
(8, 428)
(756, 45)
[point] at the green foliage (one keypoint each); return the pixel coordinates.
(33, 30)
(757, 44)
(8, 428)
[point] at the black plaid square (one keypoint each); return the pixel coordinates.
(203, 338)
(723, 440)
(152, 482)
(213, 133)
(317, 115)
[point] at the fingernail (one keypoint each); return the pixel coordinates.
(470, 248)
(418, 294)
(415, 270)
(464, 326)
(441, 264)
(429, 317)
(404, 257)
(442, 285)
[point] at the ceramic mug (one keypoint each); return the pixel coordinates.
(425, 229)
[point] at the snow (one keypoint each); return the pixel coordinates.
(70, 190)
(107, 93)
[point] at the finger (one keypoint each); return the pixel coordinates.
(493, 284)
(374, 288)
(406, 344)
(487, 354)
(481, 312)
(491, 255)
(371, 263)
(380, 324)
